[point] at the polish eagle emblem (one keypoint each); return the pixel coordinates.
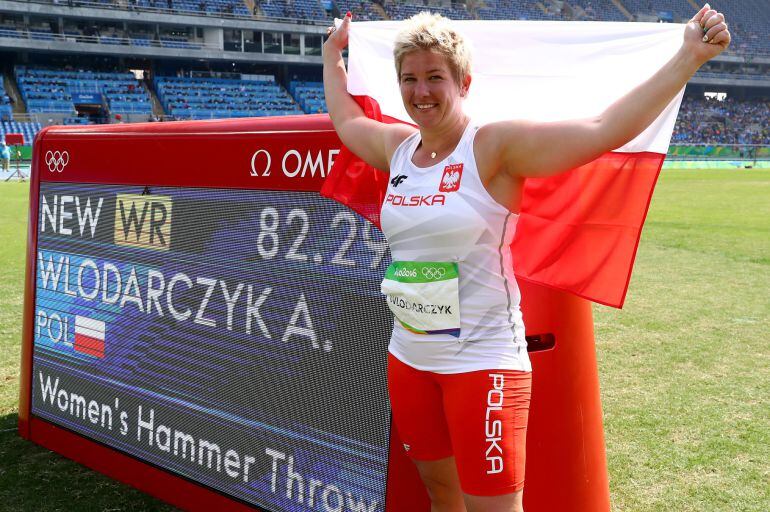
(450, 180)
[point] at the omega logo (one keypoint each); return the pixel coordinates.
(265, 167)
(294, 164)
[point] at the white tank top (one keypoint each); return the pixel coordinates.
(444, 213)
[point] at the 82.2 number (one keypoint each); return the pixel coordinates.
(268, 243)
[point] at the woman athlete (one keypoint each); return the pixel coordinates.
(458, 372)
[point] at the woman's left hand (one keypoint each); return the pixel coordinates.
(706, 35)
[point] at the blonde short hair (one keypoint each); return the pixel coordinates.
(427, 31)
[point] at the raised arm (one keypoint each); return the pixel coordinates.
(526, 149)
(370, 140)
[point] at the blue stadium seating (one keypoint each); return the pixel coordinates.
(41, 34)
(51, 90)
(228, 7)
(6, 110)
(511, 10)
(749, 24)
(29, 130)
(678, 9)
(211, 98)
(140, 41)
(204, 98)
(274, 8)
(405, 10)
(179, 42)
(310, 96)
(362, 10)
(7, 31)
(597, 10)
(749, 19)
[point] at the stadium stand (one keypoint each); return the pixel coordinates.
(671, 11)
(401, 10)
(551, 10)
(749, 22)
(363, 10)
(87, 33)
(731, 121)
(48, 91)
(28, 129)
(178, 42)
(41, 32)
(227, 8)
(51, 91)
(293, 9)
(595, 10)
(209, 98)
(310, 96)
(749, 18)
(44, 92)
(125, 95)
(13, 29)
(6, 109)
(511, 10)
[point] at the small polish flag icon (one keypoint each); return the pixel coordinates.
(89, 336)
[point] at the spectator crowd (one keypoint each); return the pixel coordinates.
(730, 121)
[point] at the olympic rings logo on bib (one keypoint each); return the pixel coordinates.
(433, 272)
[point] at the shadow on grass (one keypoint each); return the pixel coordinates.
(33, 479)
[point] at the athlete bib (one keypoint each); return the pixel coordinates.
(424, 296)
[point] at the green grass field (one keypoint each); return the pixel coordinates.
(684, 368)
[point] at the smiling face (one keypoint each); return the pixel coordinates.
(431, 95)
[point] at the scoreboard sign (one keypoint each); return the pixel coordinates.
(235, 337)
(200, 323)
(205, 331)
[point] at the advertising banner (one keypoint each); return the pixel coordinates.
(717, 151)
(234, 337)
(86, 98)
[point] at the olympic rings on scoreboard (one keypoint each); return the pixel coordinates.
(57, 160)
(433, 272)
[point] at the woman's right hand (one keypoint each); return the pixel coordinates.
(338, 37)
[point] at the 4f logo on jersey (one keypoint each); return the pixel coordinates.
(450, 180)
(398, 180)
(143, 221)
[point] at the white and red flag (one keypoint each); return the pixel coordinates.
(89, 336)
(577, 231)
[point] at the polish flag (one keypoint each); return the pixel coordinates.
(577, 231)
(89, 336)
